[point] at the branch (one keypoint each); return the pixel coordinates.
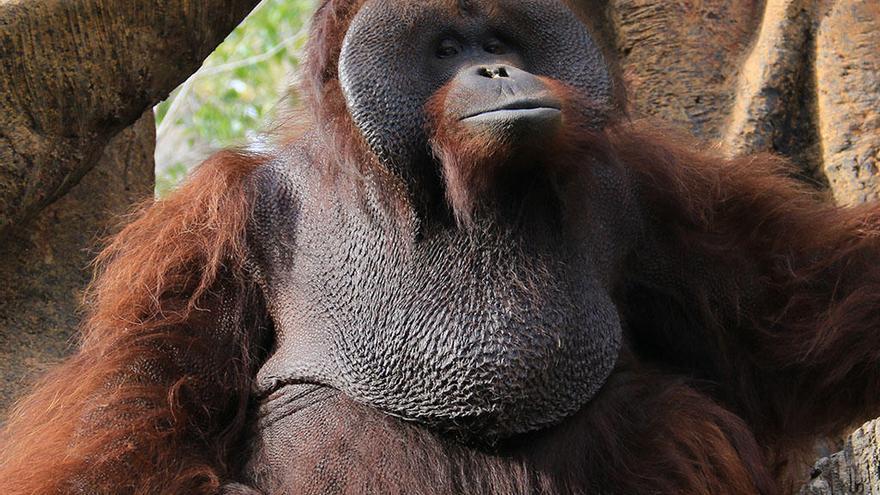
(76, 72)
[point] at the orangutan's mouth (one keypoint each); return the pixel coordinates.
(545, 106)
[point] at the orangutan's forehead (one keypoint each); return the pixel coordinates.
(475, 7)
(464, 8)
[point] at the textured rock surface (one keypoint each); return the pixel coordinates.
(44, 264)
(848, 79)
(679, 58)
(852, 471)
(796, 77)
(73, 74)
(770, 84)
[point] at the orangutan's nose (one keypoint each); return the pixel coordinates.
(495, 72)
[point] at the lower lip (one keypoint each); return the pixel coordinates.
(514, 114)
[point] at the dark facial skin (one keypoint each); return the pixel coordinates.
(389, 69)
(501, 99)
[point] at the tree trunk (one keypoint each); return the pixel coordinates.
(75, 73)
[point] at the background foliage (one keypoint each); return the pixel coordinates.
(235, 93)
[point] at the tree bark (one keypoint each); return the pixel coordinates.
(75, 76)
(76, 72)
(44, 262)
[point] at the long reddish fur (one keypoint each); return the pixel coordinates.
(801, 362)
(99, 422)
(125, 415)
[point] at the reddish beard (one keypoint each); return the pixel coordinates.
(472, 158)
(470, 165)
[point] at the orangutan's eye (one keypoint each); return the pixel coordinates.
(448, 48)
(495, 48)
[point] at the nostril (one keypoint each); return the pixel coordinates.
(493, 72)
(486, 72)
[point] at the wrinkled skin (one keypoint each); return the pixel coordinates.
(499, 328)
(489, 331)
